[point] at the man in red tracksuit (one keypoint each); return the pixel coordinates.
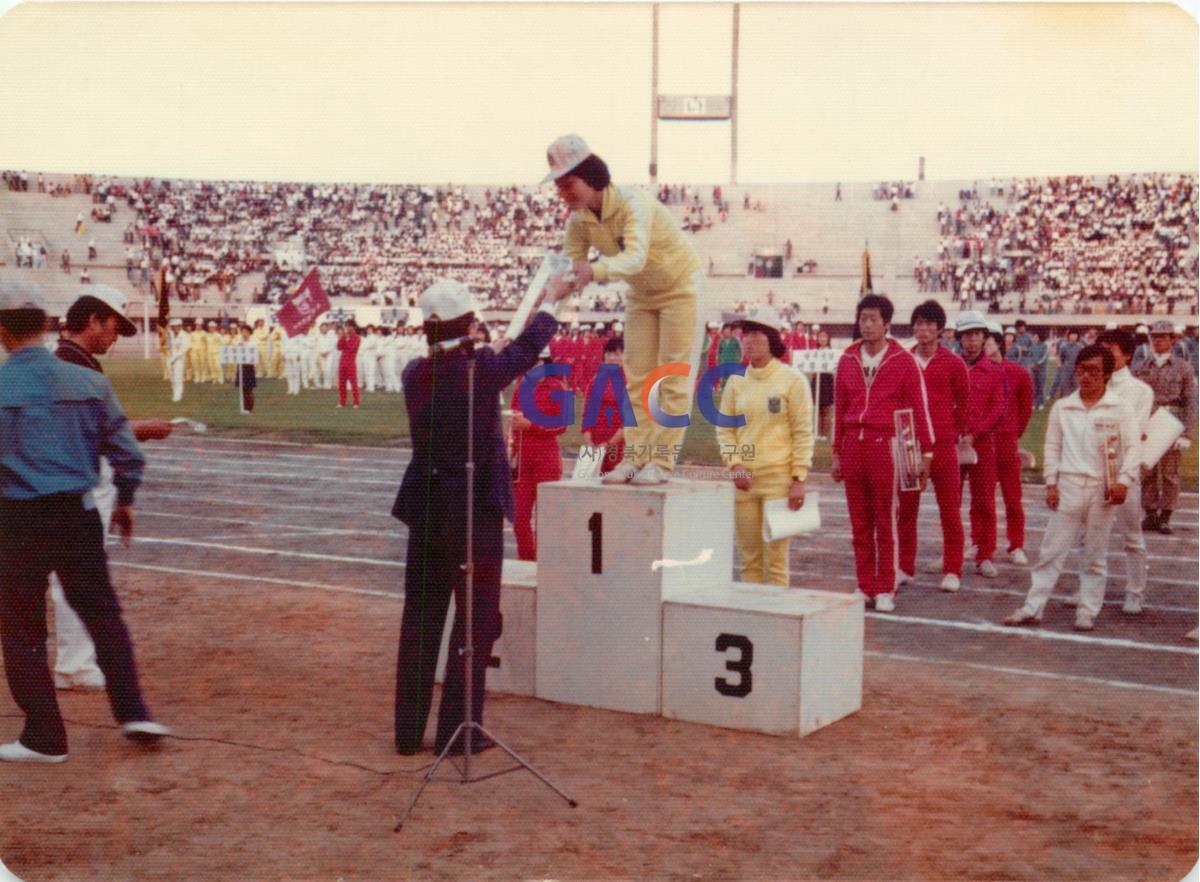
(607, 429)
(875, 378)
(985, 409)
(537, 458)
(347, 345)
(947, 388)
(1017, 410)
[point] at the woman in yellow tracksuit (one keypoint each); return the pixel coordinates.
(768, 457)
(640, 243)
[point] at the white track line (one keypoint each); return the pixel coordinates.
(305, 534)
(288, 476)
(270, 552)
(290, 583)
(214, 439)
(1048, 675)
(223, 500)
(988, 628)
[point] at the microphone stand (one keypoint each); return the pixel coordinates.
(469, 725)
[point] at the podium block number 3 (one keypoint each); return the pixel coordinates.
(740, 666)
(596, 528)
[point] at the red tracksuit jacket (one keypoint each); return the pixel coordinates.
(948, 388)
(986, 405)
(898, 384)
(536, 449)
(1019, 401)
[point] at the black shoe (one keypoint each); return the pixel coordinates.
(409, 751)
(479, 743)
(1150, 522)
(1162, 525)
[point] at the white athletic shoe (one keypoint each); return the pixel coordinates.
(88, 681)
(622, 474)
(1023, 616)
(987, 569)
(144, 731)
(885, 602)
(935, 566)
(1084, 621)
(1017, 556)
(951, 583)
(1132, 606)
(650, 474)
(970, 551)
(16, 752)
(902, 578)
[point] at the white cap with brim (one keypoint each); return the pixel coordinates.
(114, 299)
(564, 156)
(19, 294)
(175, 323)
(1162, 326)
(1143, 329)
(994, 328)
(971, 320)
(447, 299)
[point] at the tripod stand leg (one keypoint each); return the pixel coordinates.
(429, 776)
(525, 765)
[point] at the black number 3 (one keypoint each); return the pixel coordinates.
(740, 642)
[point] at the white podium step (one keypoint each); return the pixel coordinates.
(607, 558)
(762, 658)
(512, 665)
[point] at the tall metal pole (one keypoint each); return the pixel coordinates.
(733, 99)
(654, 99)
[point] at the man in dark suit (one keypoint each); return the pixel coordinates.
(433, 498)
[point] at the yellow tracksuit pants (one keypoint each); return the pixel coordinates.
(762, 562)
(661, 327)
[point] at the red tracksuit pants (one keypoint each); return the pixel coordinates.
(870, 480)
(982, 478)
(525, 501)
(347, 374)
(1008, 473)
(946, 478)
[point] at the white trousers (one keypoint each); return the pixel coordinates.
(291, 371)
(328, 370)
(177, 380)
(1081, 511)
(75, 654)
(1127, 525)
(308, 369)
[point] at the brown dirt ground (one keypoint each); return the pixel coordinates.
(283, 769)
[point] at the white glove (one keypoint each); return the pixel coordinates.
(1182, 443)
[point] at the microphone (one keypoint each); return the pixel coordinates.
(455, 343)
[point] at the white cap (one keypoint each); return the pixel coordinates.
(115, 300)
(20, 294)
(1143, 329)
(1010, 330)
(564, 155)
(714, 325)
(447, 299)
(759, 315)
(971, 320)
(993, 327)
(618, 327)
(175, 323)
(814, 327)
(1110, 326)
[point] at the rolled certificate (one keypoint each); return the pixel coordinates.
(553, 264)
(1163, 430)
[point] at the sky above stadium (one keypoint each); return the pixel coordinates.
(473, 93)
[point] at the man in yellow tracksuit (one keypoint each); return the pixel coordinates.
(198, 354)
(641, 244)
(768, 457)
(212, 354)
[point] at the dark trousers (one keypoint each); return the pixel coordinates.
(56, 534)
(436, 552)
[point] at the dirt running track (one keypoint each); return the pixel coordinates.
(283, 770)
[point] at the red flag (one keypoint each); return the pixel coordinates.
(303, 307)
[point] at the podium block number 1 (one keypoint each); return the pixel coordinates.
(740, 666)
(596, 528)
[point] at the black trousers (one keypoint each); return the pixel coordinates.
(56, 534)
(436, 552)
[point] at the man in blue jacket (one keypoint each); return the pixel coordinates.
(433, 498)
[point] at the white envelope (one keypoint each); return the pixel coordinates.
(780, 522)
(966, 453)
(1161, 433)
(588, 463)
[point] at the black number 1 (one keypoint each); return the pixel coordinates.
(596, 528)
(742, 687)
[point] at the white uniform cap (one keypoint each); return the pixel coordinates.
(993, 327)
(1142, 329)
(618, 327)
(115, 300)
(564, 155)
(1110, 326)
(1010, 330)
(175, 322)
(20, 294)
(971, 320)
(1180, 327)
(447, 299)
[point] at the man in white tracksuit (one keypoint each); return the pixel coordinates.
(327, 356)
(293, 362)
(367, 353)
(178, 342)
(1088, 432)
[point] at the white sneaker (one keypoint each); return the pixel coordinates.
(16, 752)
(1084, 621)
(1193, 634)
(987, 569)
(1132, 606)
(885, 602)
(1017, 556)
(144, 731)
(650, 474)
(1072, 601)
(936, 566)
(88, 681)
(902, 578)
(970, 551)
(950, 583)
(1023, 616)
(622, 474)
